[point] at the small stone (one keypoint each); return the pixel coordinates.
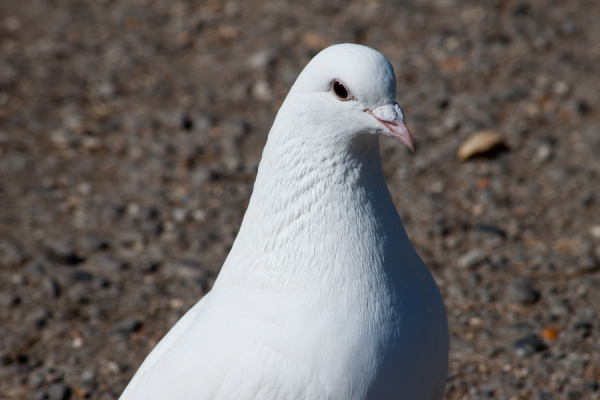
(58, 391)
(472, 259)
(584, 327)
(575, 362)
(528, 345)
(107, 264)
(591, 386)
(550, 333)
(81, 276)
(543, 152)
(560, 307)
(127, 325)
(62, 253)
(187, 123)
(521, 292)
(62, 138)
(561, 88)
(10, 254)
(40, 317)
(91, 243)
(261, 59)
(262, 91)
(9, 300)
(545, 396)
(35, 380)
(35, 268)
(480, 143)
(79, 293)
(51, 287)
(489, 228)
(180, 214)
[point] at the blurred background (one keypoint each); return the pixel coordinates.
(130, 135)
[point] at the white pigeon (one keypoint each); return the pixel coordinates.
(322, 295)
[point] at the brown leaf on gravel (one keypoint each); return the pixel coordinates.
(480, 143)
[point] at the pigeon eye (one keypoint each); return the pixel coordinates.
(340, 90)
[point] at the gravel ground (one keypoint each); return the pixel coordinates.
(130, 134)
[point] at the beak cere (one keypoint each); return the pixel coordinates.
(392, 119)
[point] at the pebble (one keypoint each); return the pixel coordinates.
(79, 293)
(543, 153)
(40, 317)
(261, 59)
(585, 328)
(520, 291)
(9, 300)
(489, 228)
(127, 325)
(51, 287)
(58, 391)
(550, 333)
(91, 243)
(472, 259)
(528, 345)
(62, 253)
(10, 254)
(35, 380)
(107, 264)
(560, 307)
(261, 90)
(81, 276)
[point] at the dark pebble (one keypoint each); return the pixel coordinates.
(10, 300)
(187, 123)
(91, 243)
(86, 389)
(81, 276)
(545, 396)
(40, 317)
(583, 108)
(584, 327)
(528, 345)
(127, 325)
(51, 287)
(488, 228)
(62, 253)
(58, 391)
(574, 395)
(442, 227)
(522, 292)
(35, 268)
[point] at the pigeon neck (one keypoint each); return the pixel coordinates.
(311, 203)
(303, 178)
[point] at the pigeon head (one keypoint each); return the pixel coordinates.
(350, 89)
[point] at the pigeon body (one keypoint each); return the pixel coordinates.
(322, 295)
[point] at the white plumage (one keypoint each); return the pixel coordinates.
(322, 295)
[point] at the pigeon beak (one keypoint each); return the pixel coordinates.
(392, 119)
